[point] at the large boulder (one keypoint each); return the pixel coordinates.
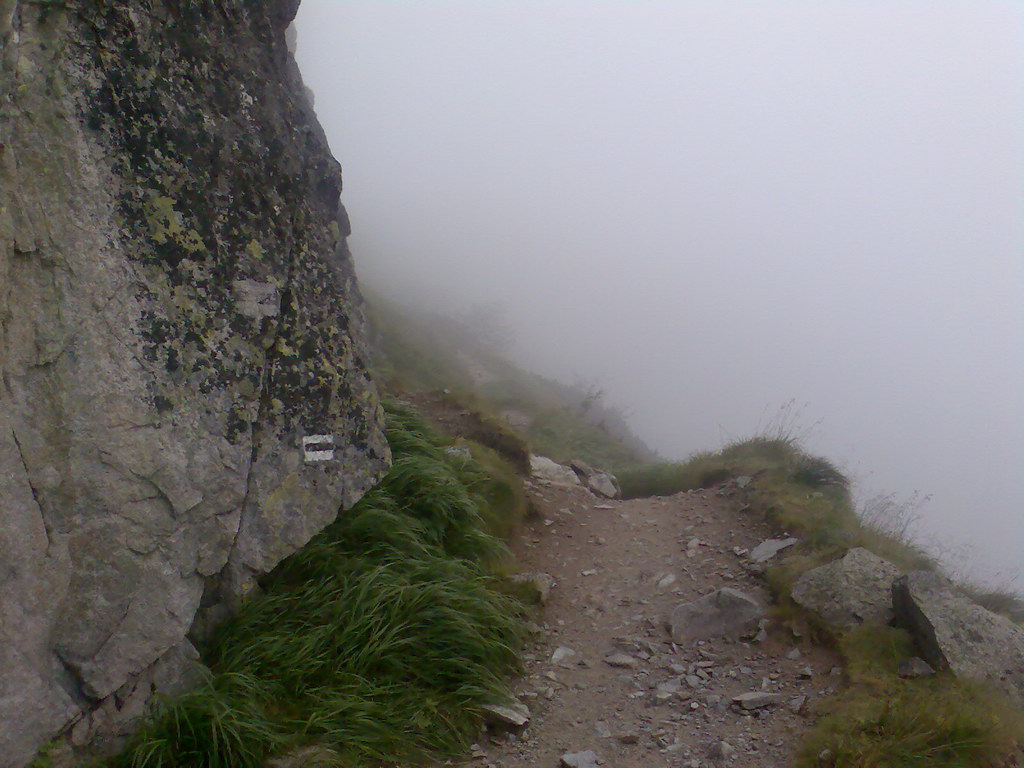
(853, 590)
(600, 482)
(547, 471)
(725, 612)
(184, 397)
(955, 633)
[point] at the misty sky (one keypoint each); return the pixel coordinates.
(711, 208)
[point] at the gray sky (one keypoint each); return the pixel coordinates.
(711, 208)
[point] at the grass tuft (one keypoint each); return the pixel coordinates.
(379, 640)
(881, 721)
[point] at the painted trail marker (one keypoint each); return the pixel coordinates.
(318, 447)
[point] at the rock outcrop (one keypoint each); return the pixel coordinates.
(850, 591)
(955, 633)
(184, 396)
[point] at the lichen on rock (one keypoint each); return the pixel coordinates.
(179, 317)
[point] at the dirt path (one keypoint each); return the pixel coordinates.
(619, 568)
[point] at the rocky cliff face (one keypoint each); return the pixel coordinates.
(184, 398)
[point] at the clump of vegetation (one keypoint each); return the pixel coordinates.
(379, 640)
(881, 721)
(800, 493)
(481, 424)
(562, 434)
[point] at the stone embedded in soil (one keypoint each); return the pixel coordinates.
(586, 759)
(621, 660)
(769, 548)
(722, 751)
(853, 590)
(513, 713)
(724, 613)
(915, 666)
(757, 699)
(563, 655)
(539, 584)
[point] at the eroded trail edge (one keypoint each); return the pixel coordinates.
(604, 675)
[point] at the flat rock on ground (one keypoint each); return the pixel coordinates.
(677, 703)
(726, 612)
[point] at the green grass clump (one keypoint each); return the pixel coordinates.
(379, 640)
(781, 456)
(562, 434)
(803, 494)
(881, 721)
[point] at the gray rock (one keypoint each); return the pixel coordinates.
(540, 584)
(726, 612)
(669, 686)
(955, 633)
(600, 482)
(604, 484)
(563, 656)
(915, 666)
(757, 699)
(850, 591)
(548, 471)
(586, 759)
(512, 713)
(796, 704)
(722, 751)
(769, 548)
(621, 660)
(185, 399)
(581, 468)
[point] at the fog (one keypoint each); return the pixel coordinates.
(711, 208)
